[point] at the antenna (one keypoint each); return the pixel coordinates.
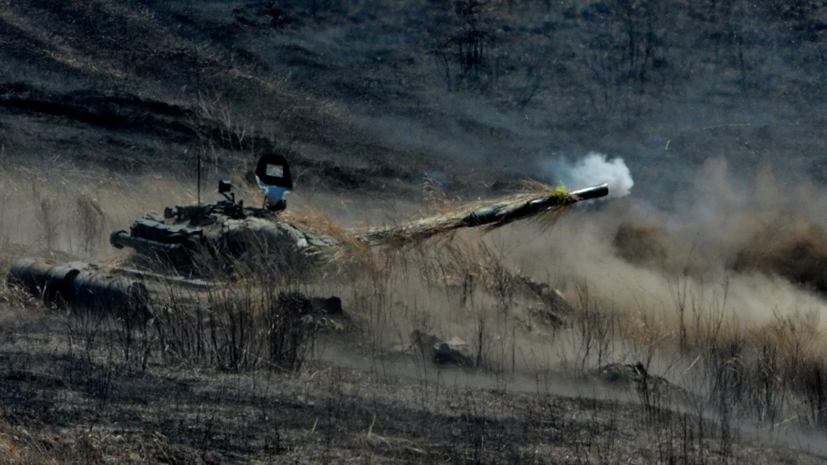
(199, 176)
(197, 85)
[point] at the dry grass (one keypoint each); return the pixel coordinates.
(322, 224)
(466, 287)
(23, 446)
(771, 373)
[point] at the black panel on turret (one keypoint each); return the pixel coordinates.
(273, 170)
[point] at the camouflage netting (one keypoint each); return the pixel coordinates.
(543, 201)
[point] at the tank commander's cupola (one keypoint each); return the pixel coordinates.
(273, 176)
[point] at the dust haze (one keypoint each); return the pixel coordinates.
(694, 292)
(758, 240)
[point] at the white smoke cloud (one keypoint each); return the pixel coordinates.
(593, 169)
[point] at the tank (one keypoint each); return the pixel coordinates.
(201, 240)
(216, 237)
(187, 243)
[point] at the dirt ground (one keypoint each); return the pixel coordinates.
(676, 322)
(59, 405)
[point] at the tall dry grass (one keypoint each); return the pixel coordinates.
(700, 352)
(466, 286)
(67, 213)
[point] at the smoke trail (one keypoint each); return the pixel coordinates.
(594, 168)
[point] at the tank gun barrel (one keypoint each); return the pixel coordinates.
(506, 212)
(589, 193)
(80, 284)
(494, 214)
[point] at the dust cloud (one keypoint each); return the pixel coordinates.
(757, 245)
(66, 213)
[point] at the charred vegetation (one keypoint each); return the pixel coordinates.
(679, 324)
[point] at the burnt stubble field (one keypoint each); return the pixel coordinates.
(678, 321)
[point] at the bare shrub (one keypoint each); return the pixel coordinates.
(237, 328)
(49, 220)
(501, 281)
(467, 47)
(90, 222)
(591, 331)
(242, 327)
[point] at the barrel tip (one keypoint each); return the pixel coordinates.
(589, 193)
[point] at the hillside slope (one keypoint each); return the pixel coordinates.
(472, 92)
(680, 324)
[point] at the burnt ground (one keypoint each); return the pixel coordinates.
(379, 94)
(368, 99)
(82, 406)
